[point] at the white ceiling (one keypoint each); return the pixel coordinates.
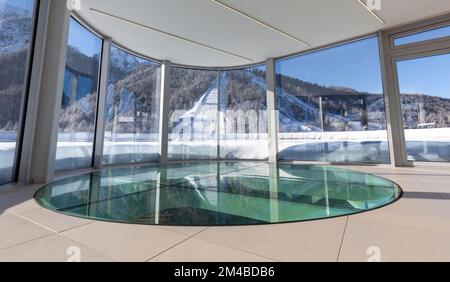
(203, 33)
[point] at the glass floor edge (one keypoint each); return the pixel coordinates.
(218, 193)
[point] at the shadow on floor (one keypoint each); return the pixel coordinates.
(426, 195)
(16, 195)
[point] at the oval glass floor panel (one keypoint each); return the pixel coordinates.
(226, 193)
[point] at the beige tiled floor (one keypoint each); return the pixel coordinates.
(313, 240)
(51, 248)
(196, 250)
(126, 242)
(416, 228)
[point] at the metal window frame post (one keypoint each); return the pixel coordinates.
(164, 112)
(101, 107)
(46, 90)
(272, 112)
(394, 119)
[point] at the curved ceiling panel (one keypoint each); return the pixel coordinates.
(235, 32)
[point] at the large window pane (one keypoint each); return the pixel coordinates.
(425, 93)
(16, 28)
(243, 110)
(193, 114)
(79, 102)
(132, 109)
(331, 106)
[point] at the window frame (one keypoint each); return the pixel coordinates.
(418, 30)
(25, 96)
(217, 79)
(393, 54)
(220, 118)
(382, 93)
(159, 98)
(87, 27)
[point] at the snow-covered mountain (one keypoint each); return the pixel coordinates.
(298, 103)
(15, 28)
(123, 60)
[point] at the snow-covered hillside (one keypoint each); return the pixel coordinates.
(15, 26)
(123, 60)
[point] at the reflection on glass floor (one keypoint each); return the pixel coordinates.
(213, 193)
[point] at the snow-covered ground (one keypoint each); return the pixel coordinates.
(7, 150)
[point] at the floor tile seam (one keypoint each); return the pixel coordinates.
(60, 214)
(76, 227)
(175, 245)
(46, 227)
(33, 222)
(238, 249)
(54, 232)
(342, 239)
(27, 242)
(88, 246)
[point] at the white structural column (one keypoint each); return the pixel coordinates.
(24, 105)
(272, 117)
(46, 89)
(164, 112)
(103, 93)
(394, 118)
(272, 112)
(219, 115)
(37, 64)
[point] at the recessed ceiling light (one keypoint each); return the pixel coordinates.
(371, 11)
(260, 23)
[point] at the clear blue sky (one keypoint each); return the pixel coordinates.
(79, 37)
(356, 65)
(23, 4)
(429, 75)
(422, 36)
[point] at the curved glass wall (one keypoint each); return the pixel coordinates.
(16, 31)
(193, 132)
(330, 103)
(243, 108)
(331, 106)
(132, 109)
(79, 103)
